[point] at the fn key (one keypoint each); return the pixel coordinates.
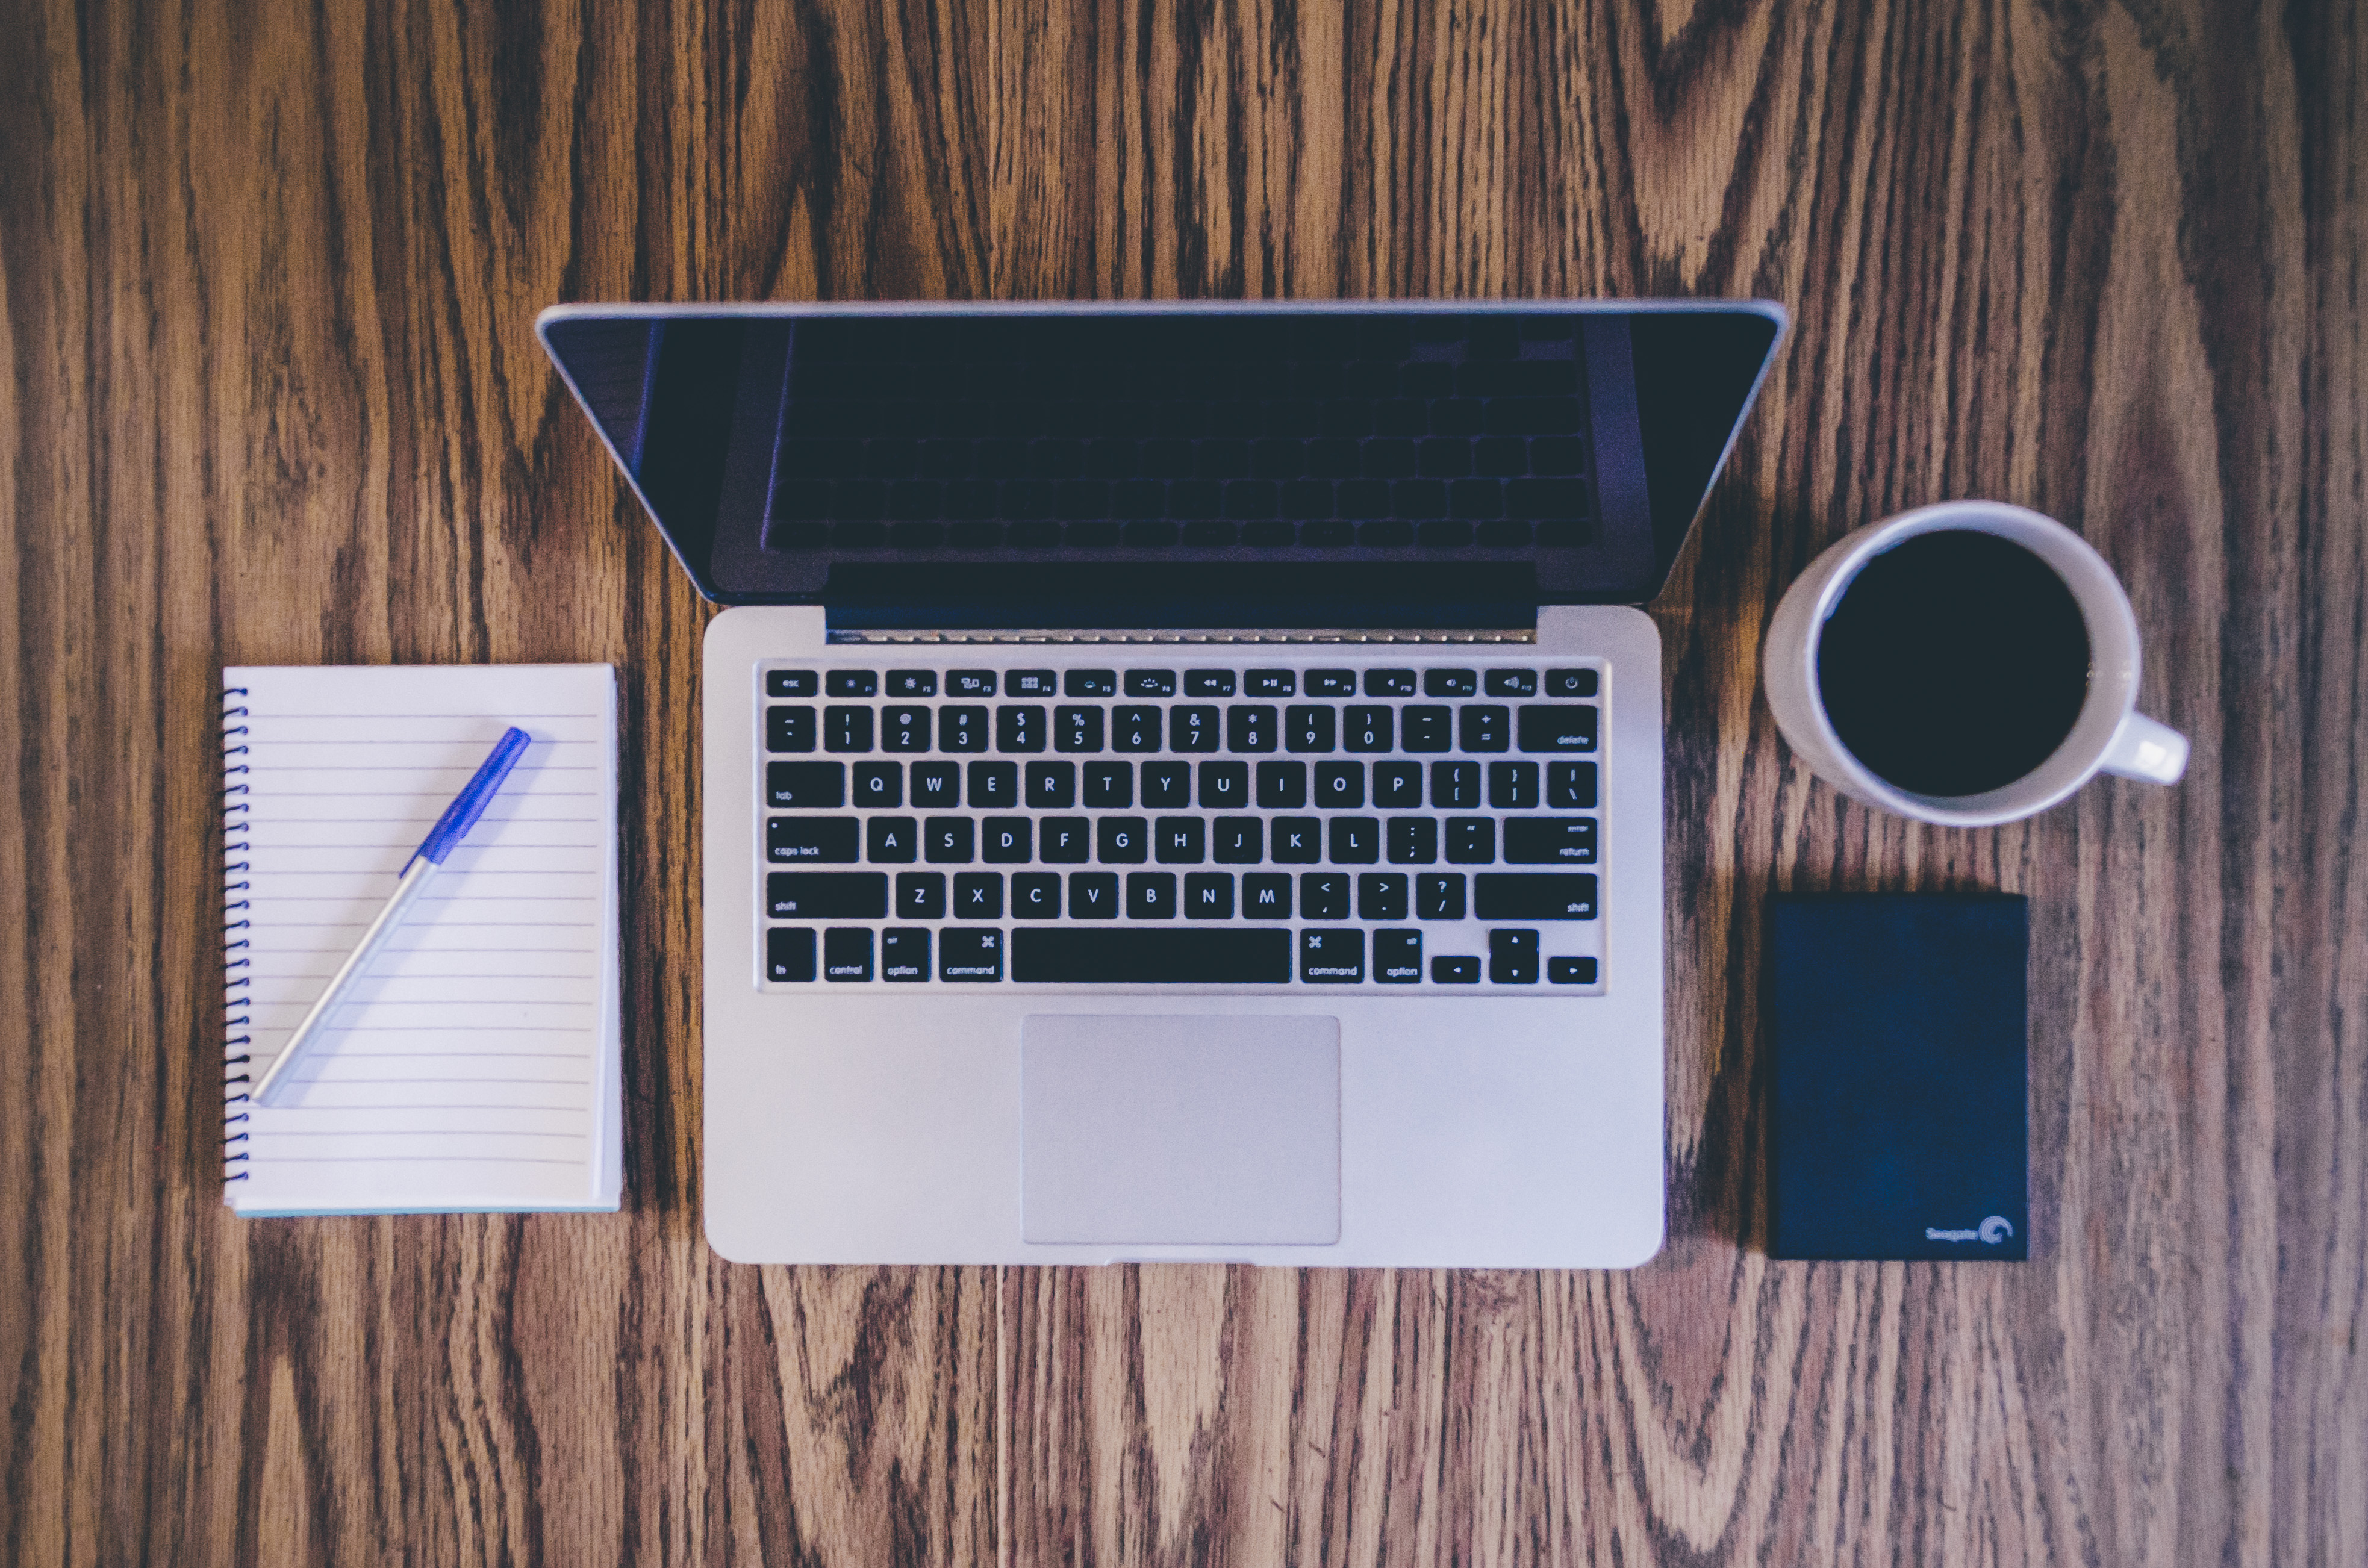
(790, 954)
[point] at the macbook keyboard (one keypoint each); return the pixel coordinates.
(1267, 822)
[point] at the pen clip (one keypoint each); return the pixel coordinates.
(470, 802)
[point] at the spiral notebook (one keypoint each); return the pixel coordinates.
(476, 1067)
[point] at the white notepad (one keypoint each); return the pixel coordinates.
(477, 1067)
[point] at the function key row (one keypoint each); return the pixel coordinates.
(1165, 683)
(1185, 727)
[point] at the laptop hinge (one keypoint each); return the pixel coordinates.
(1253, 635)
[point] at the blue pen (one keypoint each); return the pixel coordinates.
(426, 861)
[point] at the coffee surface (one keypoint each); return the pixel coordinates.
(1954, 663)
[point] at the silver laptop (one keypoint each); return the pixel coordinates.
(1180, 782)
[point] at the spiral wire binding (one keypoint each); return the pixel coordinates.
(236, 1040)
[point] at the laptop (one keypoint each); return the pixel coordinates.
(1180, 781)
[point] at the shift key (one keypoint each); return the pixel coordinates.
(826, 840)
(1534, 895)
(827, 895)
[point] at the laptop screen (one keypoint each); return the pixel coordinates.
(1171, 464)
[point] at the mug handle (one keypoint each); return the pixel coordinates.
(2144, 749)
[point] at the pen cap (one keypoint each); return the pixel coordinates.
(470, 805)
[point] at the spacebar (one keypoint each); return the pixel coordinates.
(1124, 957)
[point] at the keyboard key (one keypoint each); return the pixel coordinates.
(1151, 895)
(904, 729)
(1570, 785)
(1382, 895)
(1331, 683)
(1110, 786)
(1413, 841)
(970, 683)
(1451, 683)
(806, 786)
(1512, 956)
(826, 895)
(904, 953)
(920, 896)
(1455, 972)
(788, 728)
(879, 786)
(1093, 895)
(1250, 727)
(1151, 683)
(1208, 683)
(1004, 841)
(1484, 726)
(1534, 895)
(790, 954)
(1282, 786)
(792, 682)
(852, 683)
(961, 729)
(1354, 841)
(1368, 729)
(820, 839)
(1546, 726)
(1323, 896)
(1455, 786)
(1398, 786)
(847, 953)
(1179, 841)
(1077, 729)
(937, 784)
(1134, 729)
(949, 841)
(1266, 895)
(1308, 728)
(1339, 785)
(1067, 841)
(1389, 683)
(978, 895)
(1152, 956)
(1298, 841)
(1225, 786)
(1425, 729)
(1052, 786)
(911, 683)
(1270, 683)
(1335, 957)
(994, 785)
(1513, 786)
(967, 953)
(892, 840)
(846, 729)
(1438, 895)
(1019, 727)
(1035, 895)
(1571, 972)
(1471, 841)
(1031, 683)
(1397, 957)
(1120, 841)
(1570, 683)
(1209, 895)
(1237, 841)
(1549, 841)
(1513, 682)
(1091, 683)
(1191, 727)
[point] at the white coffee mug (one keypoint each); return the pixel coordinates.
(2109, 735)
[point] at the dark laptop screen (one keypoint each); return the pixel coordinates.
(1377, 461)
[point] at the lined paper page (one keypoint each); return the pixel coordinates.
(476, 1066)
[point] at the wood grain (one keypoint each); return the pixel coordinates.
(266, 281)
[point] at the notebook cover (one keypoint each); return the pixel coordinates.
(1898, 1119)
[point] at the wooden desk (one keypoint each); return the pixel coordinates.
(271, 395)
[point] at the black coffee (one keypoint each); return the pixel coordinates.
(1955, 663)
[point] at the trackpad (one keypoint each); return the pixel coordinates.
(1180, 1131)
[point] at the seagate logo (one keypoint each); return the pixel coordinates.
(1990, 1232)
